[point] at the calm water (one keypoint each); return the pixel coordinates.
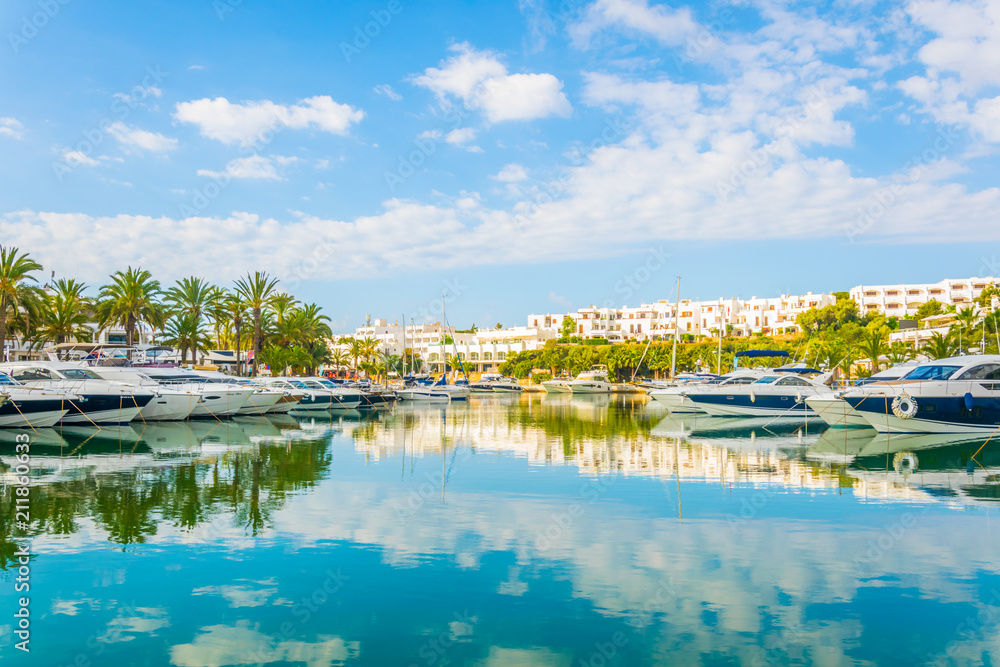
(507, 531)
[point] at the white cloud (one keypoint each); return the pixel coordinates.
(253, 167)
(196, 67)
(670, 26)
(481, 81)
(512, 173)
(386, 89)
(461, 136)
(10, 127)
(78, 159)
(961, 65)
(133, 137)
(245, 122)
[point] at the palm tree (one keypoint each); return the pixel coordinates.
(899, 352)
(193, 296)
(338, 359)
(965, 322)
(65, 316)
(184, 331)
(232, 307)
(940, 346)
(129, 301)
(15, 272)
(874, 344)
(257, 291)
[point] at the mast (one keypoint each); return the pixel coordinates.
(404, 347)
(722, 329)
(677, 333)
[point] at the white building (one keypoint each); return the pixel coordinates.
(903, 300)
(742, 317)
(480, 352)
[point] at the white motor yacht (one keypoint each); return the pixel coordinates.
(773, 395)
(31, 407)
(423, 394)
(99, 401)
(260, 399)
(214, 399)
(953, 395)
(311, 399)
(593, 381)
(168, 404)
(557, 385)
(496, 384)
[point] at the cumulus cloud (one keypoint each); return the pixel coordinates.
(244, 122)
(10, 127)
(962, 65)
(135, 138)
(480, 81)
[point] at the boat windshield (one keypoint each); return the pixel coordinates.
(935, 372)
(79, 374)
(327, 383)
(8, 380)
(298, 383)
(767, 379)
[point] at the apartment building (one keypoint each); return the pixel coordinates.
(903, 300)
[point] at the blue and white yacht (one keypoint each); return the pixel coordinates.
(953, 395)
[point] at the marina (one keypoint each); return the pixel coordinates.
(528, 528)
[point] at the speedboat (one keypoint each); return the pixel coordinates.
(98, 401)
(953, 395)
(28, 407)
(423, 394)
(312, 399)
(593, 381)
(214, 399)
(168, 404)
(260, 399)
(773, 395)
(558, 385)
(496, 384)
(344, 398)
(675, 400)
(835, 411)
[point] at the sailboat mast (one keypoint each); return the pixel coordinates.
(677, 333)
(722, 329)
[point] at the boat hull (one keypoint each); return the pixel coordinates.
(836, 411)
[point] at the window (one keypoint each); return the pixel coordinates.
(487, 356)
(935, 372)
(27, 374)
(80, 374)
(474, 356)
(742, 380)
(767, 379)
(984, 372)
(434, 356)
(792, 382)
(501, 355)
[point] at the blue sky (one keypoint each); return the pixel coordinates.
(520, 157)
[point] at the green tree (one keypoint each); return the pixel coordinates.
(130, 300)
(183, 331)
(256, 290)
(16, 272)
(65, 314)
(568, 327)
(932, 307)
(874, 345)
(940, 346)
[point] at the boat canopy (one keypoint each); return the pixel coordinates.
(762, 353)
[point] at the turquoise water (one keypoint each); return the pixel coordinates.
(532, 530)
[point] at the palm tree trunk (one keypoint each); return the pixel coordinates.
(256, 339)
(239, 361)
(3, 325)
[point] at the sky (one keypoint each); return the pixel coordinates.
(512, 157)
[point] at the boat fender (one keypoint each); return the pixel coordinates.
(970, 401)
(798, 397)
(753, 397)
(905, 463)
(904, 406)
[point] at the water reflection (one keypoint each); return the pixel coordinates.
(509, 530)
